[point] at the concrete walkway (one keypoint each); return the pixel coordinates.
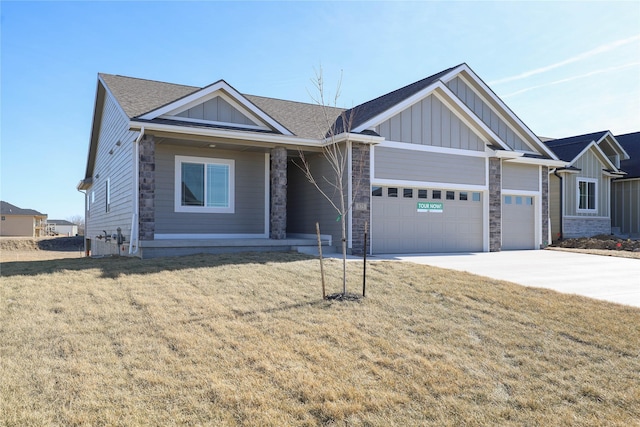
(602, 277)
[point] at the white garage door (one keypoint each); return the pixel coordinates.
(518, 223)
(406, 220)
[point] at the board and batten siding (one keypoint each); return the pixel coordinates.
(625, 203)
(305, 204)
(487, 114)
(590, 167)
(216, 110)
(520, 177)
(249, 215)
(113, 163)
(426, 166)
(430, 122)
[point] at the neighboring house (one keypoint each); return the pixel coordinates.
(447, 167)
(62, 227)
(581, 192)
(625, 197)
(17, 222)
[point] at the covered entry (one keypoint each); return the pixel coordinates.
(518, 222)
(406, 220)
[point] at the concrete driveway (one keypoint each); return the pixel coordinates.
(601, 277)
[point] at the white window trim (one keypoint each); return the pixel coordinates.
(203, 209)
(595, 195)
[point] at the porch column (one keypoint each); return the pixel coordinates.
(147, 188)
(361, 184)
(495, 205)
(278, 178)
(545, 206)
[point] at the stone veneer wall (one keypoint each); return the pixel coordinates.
(361, 210)
(545, 207)
(147, 188)
(278, 184)
(495, 205)
(585, 227)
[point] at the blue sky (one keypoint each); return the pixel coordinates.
(565, 68)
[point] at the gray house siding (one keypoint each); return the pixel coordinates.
(520, 177)
(217, 110)
(625, 204)
(411, 165)
(305, 204)
(249, 216)
(487, 114)
(114, 164)
(430, 122)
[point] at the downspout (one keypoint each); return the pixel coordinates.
(84, 239)
(555, 172)
(133, 240)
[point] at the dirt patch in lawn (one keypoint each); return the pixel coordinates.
(602, 244)
(30, 249)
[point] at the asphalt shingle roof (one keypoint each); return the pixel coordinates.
(568, 148)
(631, 144)
(9, 209)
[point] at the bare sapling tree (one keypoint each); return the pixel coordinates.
(334, 126)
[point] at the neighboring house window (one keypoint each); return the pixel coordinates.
(204, 185)
(587, 192)
(107, 188)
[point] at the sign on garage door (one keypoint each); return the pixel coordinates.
(406, 220)
(518, 223)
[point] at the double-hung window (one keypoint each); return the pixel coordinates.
(204, 185)
(587, 193)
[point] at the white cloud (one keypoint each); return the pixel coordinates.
(568, 79)
(593, 52)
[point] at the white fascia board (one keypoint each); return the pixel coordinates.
(354, 137)
(599, 153)
(236, 98)
(433, 149)
(503, 154)
(222, 133)
(535, 161)
(464, 67)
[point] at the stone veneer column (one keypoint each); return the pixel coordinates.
(545, 206)
(495, 205)
(278, 218)
(147, 188)
(361, 185)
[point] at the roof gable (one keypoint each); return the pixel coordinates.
(571, 148)
(220, 101)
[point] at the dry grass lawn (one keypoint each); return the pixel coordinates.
(248, 340)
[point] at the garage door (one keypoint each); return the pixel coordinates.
(518, 223)
(406, 220)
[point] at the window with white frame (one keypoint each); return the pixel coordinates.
(204, 185)
(587, 192)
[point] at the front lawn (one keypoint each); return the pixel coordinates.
(248, 340)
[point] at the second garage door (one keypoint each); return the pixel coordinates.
(406, 220)
(518, 223)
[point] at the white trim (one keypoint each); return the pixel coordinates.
(267, 193)
(428, 184)
(211, 90)
(586, 217)
(528, 193)
(592, 144)
(323, 237)
(595, 194)
(178, 207)
(432, 149)
(540, 162)
(621, 148)
(213, 122)
(179, 236)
